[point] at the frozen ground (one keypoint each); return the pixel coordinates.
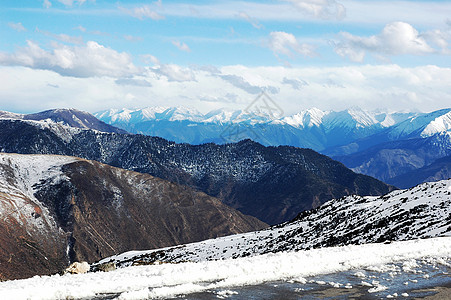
(372, 267)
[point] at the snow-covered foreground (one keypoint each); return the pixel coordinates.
(166, 280)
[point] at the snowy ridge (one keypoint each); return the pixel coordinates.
(422, 125)
(30, 169)
(171, 280)
(313, 117)
(438, 125)
(308, 118)
(419, 212)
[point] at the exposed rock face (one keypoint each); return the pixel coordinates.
(55, 210)
(271, 183)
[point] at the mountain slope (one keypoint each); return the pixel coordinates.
(70, 117)
(420, 212)
(56, 209)
(438, 170)
(270, 183)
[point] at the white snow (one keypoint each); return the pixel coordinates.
(166, 280)
(438, 125)
(308, 118)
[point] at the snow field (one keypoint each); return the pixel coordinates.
(165, 280)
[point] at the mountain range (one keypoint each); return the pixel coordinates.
(419, 212)
(380, 144)
(270, 183)
(58, 209)
(87, 190)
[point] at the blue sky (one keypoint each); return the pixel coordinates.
(330, 54)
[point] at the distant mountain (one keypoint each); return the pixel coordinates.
(419, 212)
(379, 144)
(417, 126)
(312, 128)
(438, 170)
(270, 183)
(71, 117)
(57, 209)
(390, 159)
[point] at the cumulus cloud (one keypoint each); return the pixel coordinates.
(324, 9)
(17, 26)
(286, 44)
(252, 21)
(396, 38)
(181, 46)
(175, 72)
(143, 12)
(88, 60)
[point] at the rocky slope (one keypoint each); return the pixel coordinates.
(270, 183)
(57, 209)
(420, 212)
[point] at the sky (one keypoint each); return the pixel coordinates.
(94, 55)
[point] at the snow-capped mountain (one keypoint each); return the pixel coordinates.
(121, 116)
(419, 212)
(63, 122)
(311, 128)
(57, 209)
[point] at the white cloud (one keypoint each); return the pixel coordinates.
(143, 12)
(439, 38)
(133, 82)
(248, 18)
(286, 44)
(81, 28)
(324, 9)
(91, 59)
(297, 84)
(396, 38)
(150, 59)
(17, 26)
(181, 46)
(370, 87)
(241, 83)
(175, 72)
